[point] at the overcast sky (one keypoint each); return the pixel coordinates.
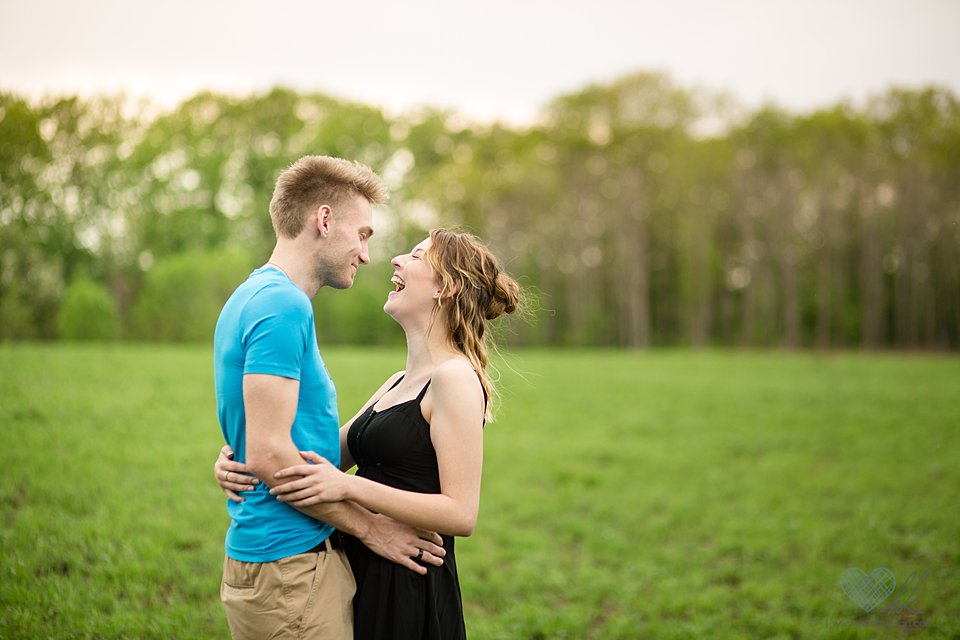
(490, 59)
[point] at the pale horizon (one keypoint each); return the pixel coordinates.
(505, 62)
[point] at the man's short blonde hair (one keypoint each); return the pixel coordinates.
(312, 181)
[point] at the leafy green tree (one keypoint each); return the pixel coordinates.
(356, 316)
(88, 312)
(636, 212)
(183, 294)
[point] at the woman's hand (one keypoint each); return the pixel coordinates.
(233, 477)
(317, 482)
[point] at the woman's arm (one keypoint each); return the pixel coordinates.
(386, 537)
(456, 430)
(235, 477)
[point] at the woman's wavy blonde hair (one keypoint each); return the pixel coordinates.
(473, 291)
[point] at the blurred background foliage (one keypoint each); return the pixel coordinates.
(636, 213)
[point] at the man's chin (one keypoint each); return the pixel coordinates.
(344, 283)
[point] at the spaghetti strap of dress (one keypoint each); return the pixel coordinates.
(423, 391)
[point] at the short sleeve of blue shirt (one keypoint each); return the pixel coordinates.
(275, 339)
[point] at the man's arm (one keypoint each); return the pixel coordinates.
(270, 404)
(456, 431)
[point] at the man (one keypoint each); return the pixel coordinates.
(284, 573)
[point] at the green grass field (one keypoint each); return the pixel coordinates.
(670, 494)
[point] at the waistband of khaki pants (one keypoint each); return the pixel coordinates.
(333, 541)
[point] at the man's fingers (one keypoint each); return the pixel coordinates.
(432, 536)
(233, 496)
(430, 547)
(226, 451)
(429, 558)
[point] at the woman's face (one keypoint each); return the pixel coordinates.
(415, 285)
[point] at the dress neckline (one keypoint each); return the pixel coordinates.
(375, 411)
(418, 399)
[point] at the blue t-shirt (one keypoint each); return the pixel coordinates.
(267, 327)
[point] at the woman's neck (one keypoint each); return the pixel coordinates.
(425, 351)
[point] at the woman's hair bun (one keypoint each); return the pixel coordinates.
(505, 298)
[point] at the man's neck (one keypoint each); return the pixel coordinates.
(295, 268)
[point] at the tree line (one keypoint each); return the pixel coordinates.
(636, 213)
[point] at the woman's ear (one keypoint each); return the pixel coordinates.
(447, 292)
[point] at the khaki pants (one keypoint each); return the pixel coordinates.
(309, 595)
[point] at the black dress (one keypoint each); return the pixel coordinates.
(393, 447)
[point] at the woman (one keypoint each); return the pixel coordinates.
(417, 442)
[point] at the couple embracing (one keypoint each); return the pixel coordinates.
(314, 552)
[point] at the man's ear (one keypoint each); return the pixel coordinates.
(324, 214)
